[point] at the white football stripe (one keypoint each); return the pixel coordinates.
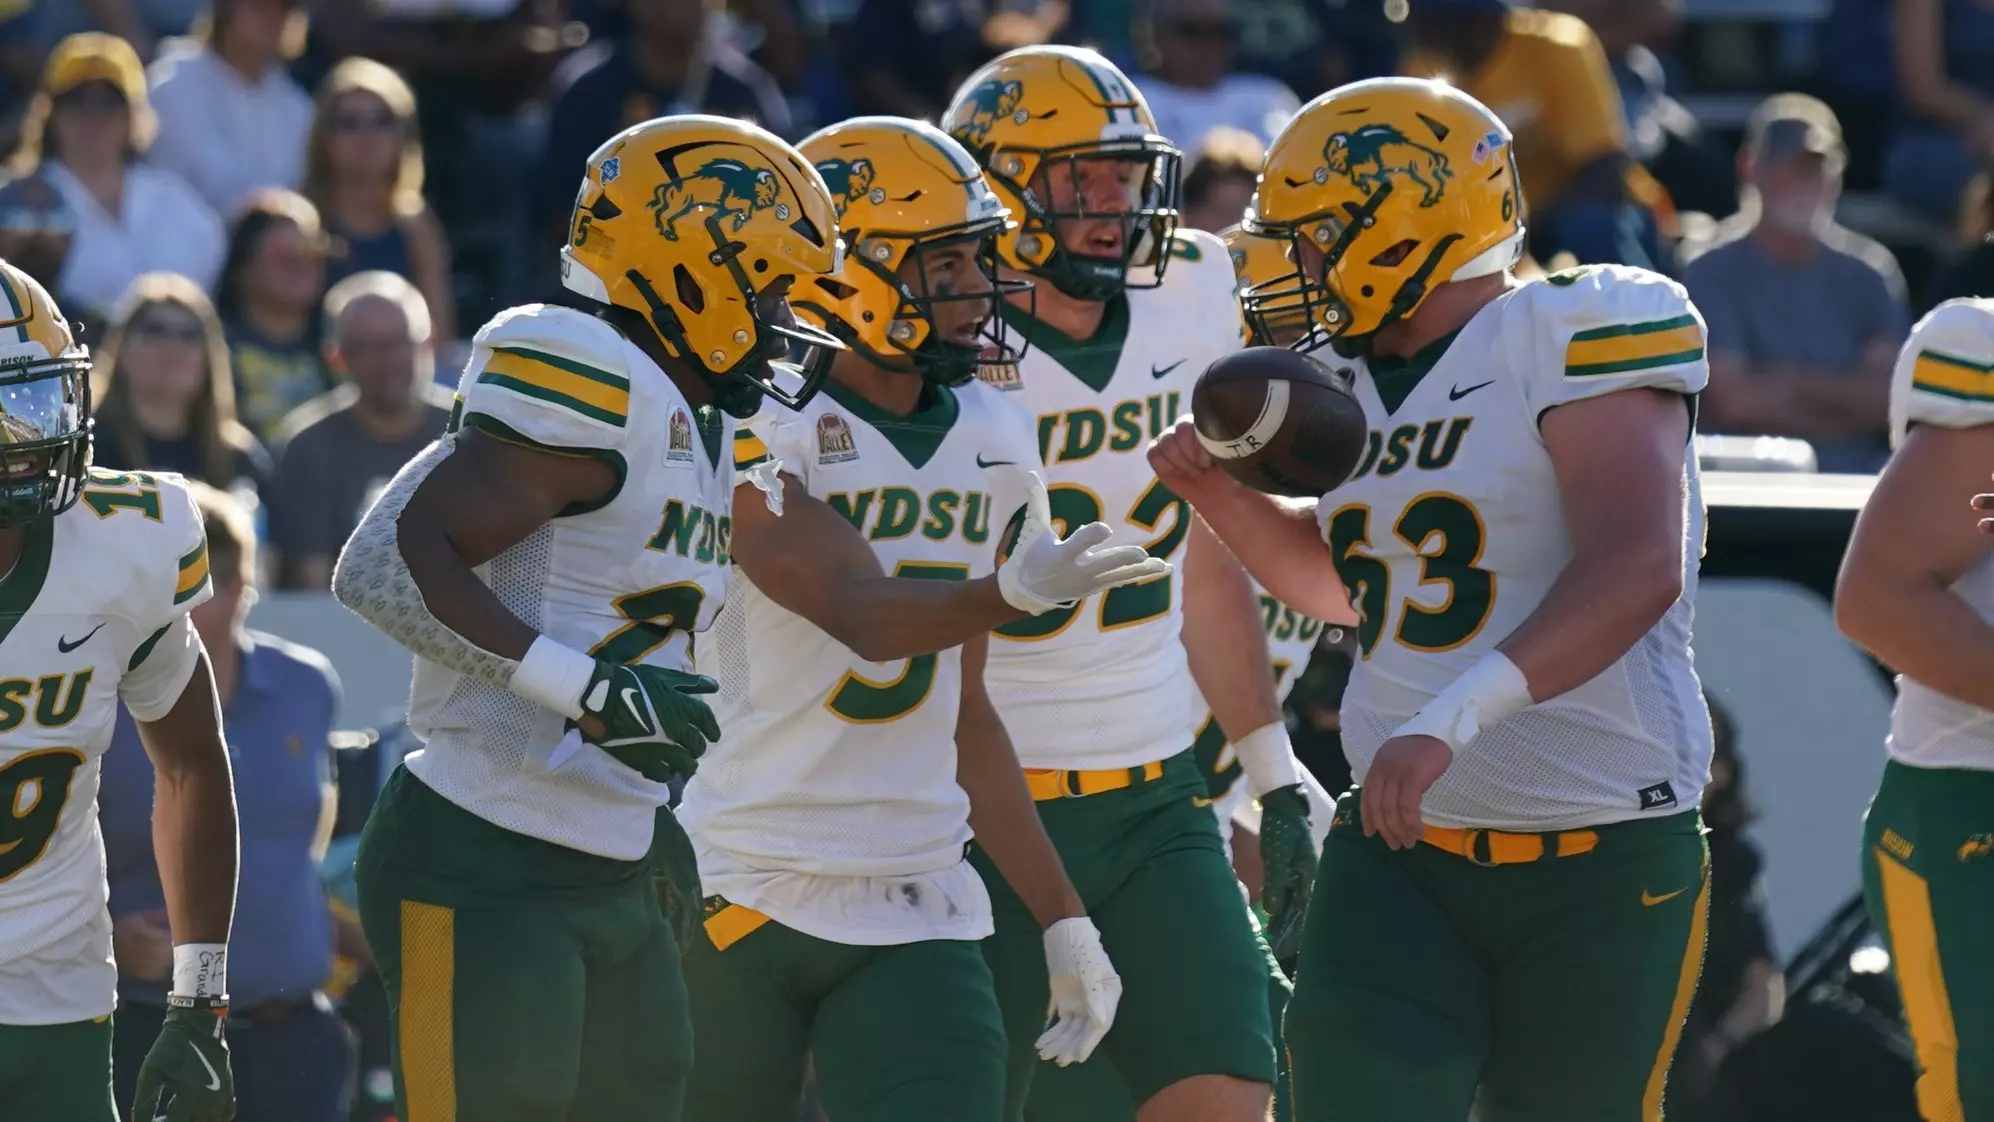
(1273, 411)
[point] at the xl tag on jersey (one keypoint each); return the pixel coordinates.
(1656, 797)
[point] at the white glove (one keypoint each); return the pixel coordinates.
(1085, 991)
(1044, 572)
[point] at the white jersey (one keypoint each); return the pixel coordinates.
(1452, 530)
(1945, 377)
(831, 804)
(630, 578)
(1105, 683)
(93, 612)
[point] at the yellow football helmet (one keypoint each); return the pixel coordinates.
(1038, 119)
(44, 404)
(691, 222)
(902, 188)
(1269, 287)
(1396, 185)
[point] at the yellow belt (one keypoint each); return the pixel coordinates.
(1047, 783)
(1494, 847)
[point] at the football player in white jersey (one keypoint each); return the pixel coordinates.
(1518, 880)
(548, 561)
(1917, 590)
(1097, 696)
(831, 827)
(98, 571)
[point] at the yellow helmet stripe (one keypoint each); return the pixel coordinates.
(1621, 347)
(1952, 376)
(577, 387)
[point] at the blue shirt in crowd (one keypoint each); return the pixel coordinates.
(277, 726)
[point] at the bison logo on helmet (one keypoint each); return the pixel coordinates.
(849, 182)
(986, 105)
(1373, 155)
(734, 190)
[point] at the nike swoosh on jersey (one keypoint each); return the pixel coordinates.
(1156, 372)
(1457, 393)
(1649, 900)
(65, 646)
(983, 463)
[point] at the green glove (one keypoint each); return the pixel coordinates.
(675, 874)
(185, 1077)
(1288, 858)
(652, 721)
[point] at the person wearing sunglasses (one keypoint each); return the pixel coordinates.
(230, 118)
(1189, 48)
(86, 132)
(163, 396)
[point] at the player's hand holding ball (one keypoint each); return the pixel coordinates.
(649, 718)
(1402, 771)
(1043, 571)
(1279, 421)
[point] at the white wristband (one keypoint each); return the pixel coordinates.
(200, 970)
(553, 676)
(1491, 691)
(1268, 758)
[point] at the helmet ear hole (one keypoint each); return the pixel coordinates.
(1396, 255)
(690, 295)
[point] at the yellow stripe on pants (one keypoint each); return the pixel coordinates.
(1914, 950)
(426, 1025)
(1692, 967)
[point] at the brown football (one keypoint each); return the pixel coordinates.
(1280, 421)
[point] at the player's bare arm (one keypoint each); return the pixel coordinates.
(1085, 989)
(1894, 595)
(1619, 460)
(813, 562)
(483, 498)
(1276, 539)
(193, 813)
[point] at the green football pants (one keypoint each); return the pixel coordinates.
(1148, 863)
(1928, 876)
(57, 1073)
(1547, 991)
(906, 1033)
(527, 982)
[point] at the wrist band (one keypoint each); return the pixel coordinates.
(1268, 758)
(1490, 692)
(553, 676)
(200, 970)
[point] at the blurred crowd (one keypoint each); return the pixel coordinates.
(278, 220)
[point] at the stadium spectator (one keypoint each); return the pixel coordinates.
(675, 59)
(36, 229)
(1804, 316)
(142, 23)
(1544, 74)
(1742, 990)
(1313, 46)
(1219, 183)
(293, 1056)
(162, 395)
(1972, 273)
(1661, 134)
(84, 132)
(1945, 81)
(231, 120)
(908, 56)
(364, 173)
(269, 300)
(1189, 48)
(341, 449)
